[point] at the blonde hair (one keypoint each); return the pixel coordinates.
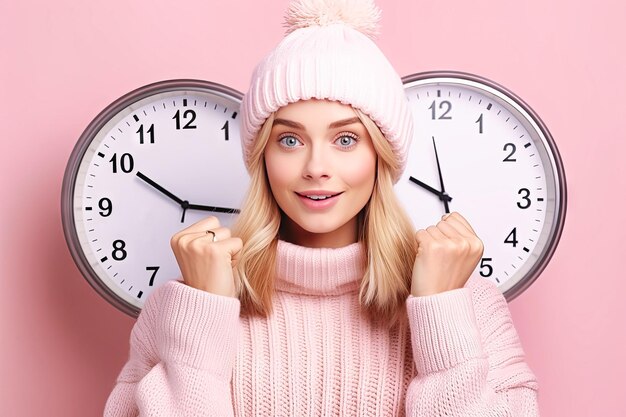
(385, 229)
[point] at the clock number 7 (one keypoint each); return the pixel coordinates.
(154, 270)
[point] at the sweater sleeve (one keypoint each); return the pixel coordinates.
(182, 351)
(468, 356)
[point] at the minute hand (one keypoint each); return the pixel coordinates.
(443, 189)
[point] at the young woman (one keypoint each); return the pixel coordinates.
(323, 300)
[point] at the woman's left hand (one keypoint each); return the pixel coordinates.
(446, 256)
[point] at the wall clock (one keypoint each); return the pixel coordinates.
(480, 150)
(153, 162)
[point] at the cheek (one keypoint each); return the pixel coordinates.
(278, 172)
(362, 174)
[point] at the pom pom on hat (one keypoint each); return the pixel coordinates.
(329, 54)
(362, 15)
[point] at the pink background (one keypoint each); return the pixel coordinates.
(64, 61)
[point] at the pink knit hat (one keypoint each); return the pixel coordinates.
(328, 53)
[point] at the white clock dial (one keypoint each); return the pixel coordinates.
(150, 167)
(479, 152)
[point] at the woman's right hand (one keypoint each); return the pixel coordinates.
(206, 264)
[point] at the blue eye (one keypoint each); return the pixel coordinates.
(346, 141)
(289, 141)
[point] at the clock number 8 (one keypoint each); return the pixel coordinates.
(119, 254)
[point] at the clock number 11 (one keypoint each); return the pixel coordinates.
(150, 131)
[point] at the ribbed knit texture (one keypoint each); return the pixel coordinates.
(333, 62)
(318, 355)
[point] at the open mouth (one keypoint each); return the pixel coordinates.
(318, 197)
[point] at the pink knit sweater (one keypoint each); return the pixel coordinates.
(317, 355)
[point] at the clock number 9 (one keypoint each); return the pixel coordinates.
(443, 116)
(105, 205)
(189, 125)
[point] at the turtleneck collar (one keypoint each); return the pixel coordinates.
(319, 271)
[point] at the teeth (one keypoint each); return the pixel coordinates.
(318, 197)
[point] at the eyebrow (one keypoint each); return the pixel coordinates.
(333, 125)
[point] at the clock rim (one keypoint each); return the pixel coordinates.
(75, 159)
(556, 230)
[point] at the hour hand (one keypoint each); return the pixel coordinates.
(160, 188)
(213, 208)
(442, 196)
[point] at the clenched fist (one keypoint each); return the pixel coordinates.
(446, 256)
(207, 262)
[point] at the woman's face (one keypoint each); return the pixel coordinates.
(321, 166)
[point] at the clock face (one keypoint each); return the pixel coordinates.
(478, 151)
(153, 163)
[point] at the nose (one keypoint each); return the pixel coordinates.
(317, 164)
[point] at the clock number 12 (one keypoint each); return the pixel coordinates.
(189, 125)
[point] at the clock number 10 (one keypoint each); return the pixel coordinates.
(126, 163)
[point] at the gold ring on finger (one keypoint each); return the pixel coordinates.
(212, 233)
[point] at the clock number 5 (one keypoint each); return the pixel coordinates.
(189, 125)
(484, 264)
